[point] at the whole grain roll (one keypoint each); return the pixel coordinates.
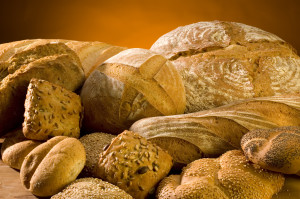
(275, 149)
(221, 62)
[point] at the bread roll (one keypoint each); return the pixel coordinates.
(133, 164)
(275, 149)
(227, 177)
(51, 166)
(212, 132)
(91, 188)
(222, 62)
(131, 85)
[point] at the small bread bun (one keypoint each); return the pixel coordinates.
(91, 188)
(275, 149)
(134, 164)
(94, 144)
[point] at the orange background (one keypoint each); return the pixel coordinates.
(138, 23)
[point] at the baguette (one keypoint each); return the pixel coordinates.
(212, 132)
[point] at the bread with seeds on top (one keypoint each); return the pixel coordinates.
(134, 164)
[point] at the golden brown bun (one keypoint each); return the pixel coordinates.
(133, 164)
(91, 188)
(275, 149)
(94, 144)
(62, 69)
(230, 176)
(212, 132)
(131, 85)
(15, 148)
(51, 110)
(221, 62)
(51, 166)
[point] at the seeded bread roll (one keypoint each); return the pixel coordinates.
(94, 144)
(229, 176)
(51, 110)
(51, 166)
(133, 164)
(15, 148)
(91, 188)
(275, 149)
(131, 85)
(222, 62)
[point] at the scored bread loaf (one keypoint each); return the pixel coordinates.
(212, 132)
(221, 62)
(131, 85)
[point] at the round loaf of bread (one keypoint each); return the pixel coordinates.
(134, 164)
(134, 84)
(51, 166)
(229, 176)
(221, 62)
(274, 149)
(91, 188)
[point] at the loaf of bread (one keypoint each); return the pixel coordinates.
(227, 177)
(221, 62)
(62, 69)
(51, 110)
(91, 188)
(275, 149)
(133, 164)
(212, 132)
(51, 166)
(16, 147)
(131, 85)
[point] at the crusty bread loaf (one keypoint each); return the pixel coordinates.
(133, 164)
(220, 129)
(275, 149)
(221, 62)
(51, 166)
(15, 148)
(131, 85)
(91, 188)
(230, 176)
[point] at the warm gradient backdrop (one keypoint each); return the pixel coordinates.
(138, 23)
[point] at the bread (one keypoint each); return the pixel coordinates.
(229, 176)
(133, 164)
(275, 149)
(62, 69)
(94, 144)
(16, 147)
(91, 188)
(222, 62)
(51, 110)
(51, 166)
(131, 85)
(212, 132)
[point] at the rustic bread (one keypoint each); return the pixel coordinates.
(91, 188)
(275, 149)
(51, 166)
(94, 144)
(62, 69)
(229, 176)
(131, 85)
(220, 129)
(16, 147)
(133, 164)
(51, 110)
(221, 62)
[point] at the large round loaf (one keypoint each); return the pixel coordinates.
(221, 62)
(51, 166)
(134, 84)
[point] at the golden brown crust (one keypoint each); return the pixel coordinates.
(274, 149)
(133, 164)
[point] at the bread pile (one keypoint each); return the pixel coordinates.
(212, 110)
